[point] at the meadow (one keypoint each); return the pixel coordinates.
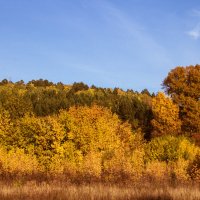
(61, 191)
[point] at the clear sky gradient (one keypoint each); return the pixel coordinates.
(109, 43)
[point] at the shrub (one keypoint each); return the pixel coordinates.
(105, 145)
(92, 129)
(194, 168)
(170, 149)
(16, 161)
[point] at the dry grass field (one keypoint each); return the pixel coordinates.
(59, 191)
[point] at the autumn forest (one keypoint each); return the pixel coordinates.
(91, 134)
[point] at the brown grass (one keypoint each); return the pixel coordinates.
(54, 190)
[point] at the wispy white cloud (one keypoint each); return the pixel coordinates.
(195, 32)
(195, 13)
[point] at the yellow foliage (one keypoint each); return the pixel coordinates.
(115, 161)
(16, 161)
(94, 129)
(92, 142)
(137, 162)
(92, 164)
(170, 148)
(44, 133)
(5, 126)
(180, 169)
(157, 169)
(166, 116)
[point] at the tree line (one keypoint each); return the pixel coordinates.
(101, 131)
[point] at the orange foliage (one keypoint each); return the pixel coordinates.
(166, 116)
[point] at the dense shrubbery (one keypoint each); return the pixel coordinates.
(171, 149)
(90, 142)
(83, 140)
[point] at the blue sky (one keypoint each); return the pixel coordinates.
(109, 43)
